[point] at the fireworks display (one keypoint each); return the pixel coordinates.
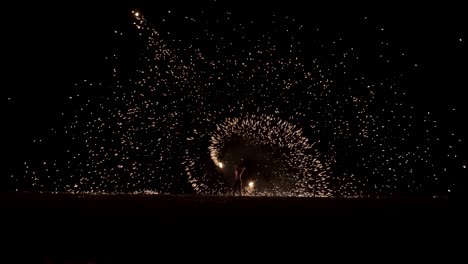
(227, 91)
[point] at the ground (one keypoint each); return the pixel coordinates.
(86, 225)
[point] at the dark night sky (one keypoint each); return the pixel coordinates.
(50, 47)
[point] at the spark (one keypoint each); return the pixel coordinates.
(174, 119)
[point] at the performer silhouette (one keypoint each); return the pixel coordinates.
(238, 180)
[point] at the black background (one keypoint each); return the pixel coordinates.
(49, 47)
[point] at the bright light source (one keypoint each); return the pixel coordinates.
(220, 165)
(251, 184)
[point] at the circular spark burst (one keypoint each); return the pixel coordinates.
(275, 153)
